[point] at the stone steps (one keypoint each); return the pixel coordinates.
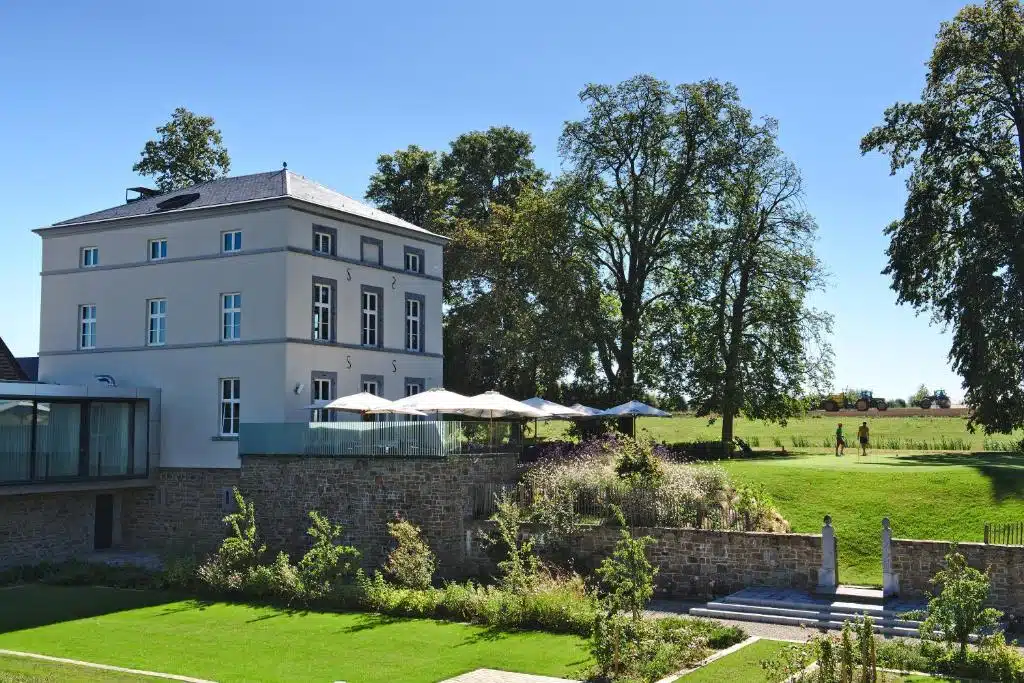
(826, 621)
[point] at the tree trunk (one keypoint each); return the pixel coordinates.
(731, 389)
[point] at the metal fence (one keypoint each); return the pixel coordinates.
(640, 507)
(1004, 534)
(383, 438)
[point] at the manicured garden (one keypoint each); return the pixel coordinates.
(234, 642)
(25, 670)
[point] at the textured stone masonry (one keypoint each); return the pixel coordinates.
(46, 527)
(916, 562)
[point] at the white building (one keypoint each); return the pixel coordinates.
(241, 299)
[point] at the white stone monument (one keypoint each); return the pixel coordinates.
(890, 581)
(827, 574)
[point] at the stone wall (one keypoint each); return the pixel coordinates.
(916, 562)
(184, 511)
(364, 494)
(694, 563)
(47, 527)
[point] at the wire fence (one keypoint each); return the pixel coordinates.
(1004, 534)
(640, 507)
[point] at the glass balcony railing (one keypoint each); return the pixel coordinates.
(72, 440)
(391, 438)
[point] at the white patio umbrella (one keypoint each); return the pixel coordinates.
(635, 409)
(438, 401)
(366, 403)
(586, 411)
(491, 404)
(555, 411)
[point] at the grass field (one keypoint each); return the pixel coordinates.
(23, 670)
(814, 432)
(224, 642)
(742, 665)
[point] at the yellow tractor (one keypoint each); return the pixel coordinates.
(865, 401)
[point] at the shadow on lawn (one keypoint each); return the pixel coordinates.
(1005, 471)
(35, 605)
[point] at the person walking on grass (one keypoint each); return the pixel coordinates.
(862, 436)
(840, 441)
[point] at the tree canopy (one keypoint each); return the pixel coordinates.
(189, 150)
(958, 250)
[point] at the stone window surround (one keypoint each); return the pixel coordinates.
(379, 291)
(419, 381)
(333, 284)
(363, 241)
(409, 296)
(332, 232)
(421, 253)
(314, 375)
(379, 379)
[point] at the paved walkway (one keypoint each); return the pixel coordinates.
(495, 676)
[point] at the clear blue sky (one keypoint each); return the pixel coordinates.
(327, 86)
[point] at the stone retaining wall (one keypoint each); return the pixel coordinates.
(49, 527)
(184, 511)
(916, 562)
(694, 563)
(364, 494)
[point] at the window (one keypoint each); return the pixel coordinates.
(157, 331)
(231, 241)
(231, 308)
(413, 260)
(371, 385)
(413, 323)
(323, 307)
(322, 243)
(230, 402)
(413, 386)
(371, 250)
(87, 327)
(157, 250)
(323, 390)
(89, 257)
(370, 317)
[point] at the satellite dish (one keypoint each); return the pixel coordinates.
(177, 201)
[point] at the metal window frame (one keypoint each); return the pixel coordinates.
(233, 249)
(224, 310)
(152, 243)
(82, 321)
(149, 321)
(422, 301)
(419, 253)
(332, 285)
(330, 232)
(379, 293)
(236, 399)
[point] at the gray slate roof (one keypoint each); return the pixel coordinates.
(10, 371)
(247, 188)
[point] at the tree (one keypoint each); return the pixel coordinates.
(915, 398)
(958, 249)
(639, 181)
(405, 186)
(189, 151)
(749, 342)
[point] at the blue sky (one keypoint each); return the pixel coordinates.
(327, 86)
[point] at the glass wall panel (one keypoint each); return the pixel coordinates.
(15, 439)
(141, 451)
(58, 427)
(110, 443)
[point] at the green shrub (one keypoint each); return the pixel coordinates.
(230, 568)
(637, 464)
(328, 565)
(627, 577)
(411, 563)
(959, 608)
(518, 570)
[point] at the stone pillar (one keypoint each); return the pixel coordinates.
(890, 581)
(827, 573)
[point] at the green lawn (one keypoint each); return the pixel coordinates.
(900, 433)
(24, 670)
(742, 665)
(226, 642)
(930, 496)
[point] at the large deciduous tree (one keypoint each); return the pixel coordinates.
(640, 170)
(958, 249)
(749, 341)
(190, 150)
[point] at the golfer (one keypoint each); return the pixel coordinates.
(862, 436)
(840, 441)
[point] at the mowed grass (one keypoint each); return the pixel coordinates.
(25, 670)
(226, 642)
(813, 431)
(940, 496)
(742, 665)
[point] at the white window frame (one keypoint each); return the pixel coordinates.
(412, 262)
(413, 385)
(230, 405)
(323, 390)
(322, 242)
(84, 260)
(371, 386)
(236, 241)
(87, 326)
(413, 338)
(322, 312)
(369, 318)
(230, 317)
(156, 316)
(161, 249)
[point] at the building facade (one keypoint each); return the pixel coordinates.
(273, 295)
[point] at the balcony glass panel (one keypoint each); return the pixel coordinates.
(110, 442)
(15, 439)
(58, 442)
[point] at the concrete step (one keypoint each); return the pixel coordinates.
(859, 594)
(811, 612)
(830, 622)
(839, 607)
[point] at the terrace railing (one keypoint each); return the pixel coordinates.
(383, 438)
(1004, 534)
